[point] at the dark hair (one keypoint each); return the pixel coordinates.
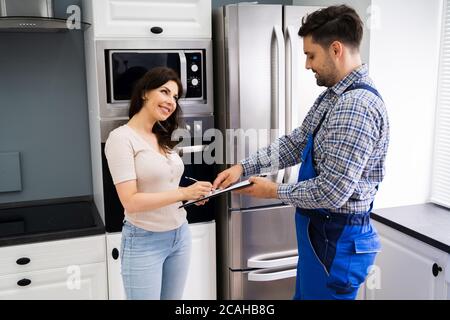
(154, 79)
(340, 23)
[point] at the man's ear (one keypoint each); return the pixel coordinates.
(336, 49)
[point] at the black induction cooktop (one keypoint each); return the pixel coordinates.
(48, 220)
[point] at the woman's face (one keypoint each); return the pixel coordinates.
(162, 102)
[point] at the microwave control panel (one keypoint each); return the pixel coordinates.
(194, 74)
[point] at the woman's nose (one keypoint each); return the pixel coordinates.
(172, 100)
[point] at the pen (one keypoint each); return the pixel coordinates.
(191, 178)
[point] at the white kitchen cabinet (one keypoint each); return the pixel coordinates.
(167, 19)
(63, 269)
(404, 269)
(201, 280)
(81, 282)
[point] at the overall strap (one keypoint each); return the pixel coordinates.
(364, 87)
(349, 88)
(323, 117)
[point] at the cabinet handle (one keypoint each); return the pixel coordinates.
(24, 282)
(23, 261)
(436, 269)
(115, 254)
(156, 30)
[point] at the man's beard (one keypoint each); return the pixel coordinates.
(320, 82)
(325, 81)
(328, 76)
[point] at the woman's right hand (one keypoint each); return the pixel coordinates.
(196, 191)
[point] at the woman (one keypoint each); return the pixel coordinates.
(156, 240)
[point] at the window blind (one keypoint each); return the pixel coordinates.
(440, 188)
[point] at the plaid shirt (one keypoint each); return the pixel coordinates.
(349, 150)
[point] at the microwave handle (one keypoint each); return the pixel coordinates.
(183, 72)
(191, 149)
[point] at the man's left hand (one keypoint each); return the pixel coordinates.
(261, 188)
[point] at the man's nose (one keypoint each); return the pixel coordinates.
(307, 65)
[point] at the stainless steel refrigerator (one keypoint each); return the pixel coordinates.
(260, 83)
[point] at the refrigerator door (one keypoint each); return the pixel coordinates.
(262, 238)
(301, 87)
(254, 65)
(263, 284)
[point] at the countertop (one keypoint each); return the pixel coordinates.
(427, 222)
(56, 219)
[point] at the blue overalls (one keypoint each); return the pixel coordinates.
(335, 250)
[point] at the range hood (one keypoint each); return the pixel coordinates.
(32, 16)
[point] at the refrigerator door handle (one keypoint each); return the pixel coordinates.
(292, 63)
(183, 74)
(277, 112)
(257, 275)
(291, 51)
(274, 260)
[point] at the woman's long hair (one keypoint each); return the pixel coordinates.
(154, 79)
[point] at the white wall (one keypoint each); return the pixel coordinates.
(361, 7)
(404, 54)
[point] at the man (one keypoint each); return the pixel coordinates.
(342, 146)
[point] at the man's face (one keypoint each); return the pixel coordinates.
(319, 61)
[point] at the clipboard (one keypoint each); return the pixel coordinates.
(218, 192)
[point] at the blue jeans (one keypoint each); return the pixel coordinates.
(155, 264)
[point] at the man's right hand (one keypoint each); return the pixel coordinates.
(228, 177)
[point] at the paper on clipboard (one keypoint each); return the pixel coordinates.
(217, 192)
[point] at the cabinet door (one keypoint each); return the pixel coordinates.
(201, 281)
(52, 254)
(175, 18)
(115, 283)
(404, 268)
(73, 282)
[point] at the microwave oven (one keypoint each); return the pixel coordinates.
(126, 67)
(121, 63)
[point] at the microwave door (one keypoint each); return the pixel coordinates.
(127, 67)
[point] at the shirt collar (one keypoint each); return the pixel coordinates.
(358, 73)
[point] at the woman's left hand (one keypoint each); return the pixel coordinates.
(201, 203)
